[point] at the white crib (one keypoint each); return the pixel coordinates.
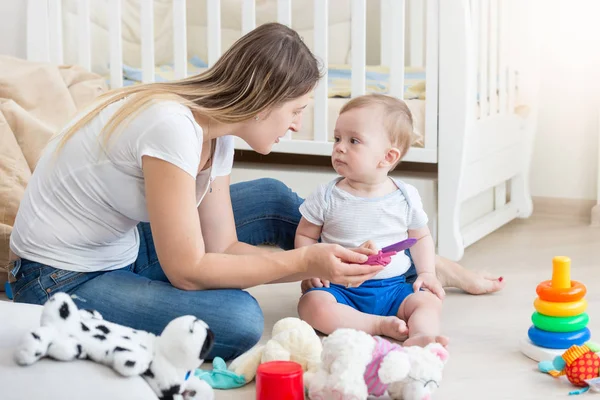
(468, 117)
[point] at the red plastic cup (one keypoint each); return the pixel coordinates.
(279, 380)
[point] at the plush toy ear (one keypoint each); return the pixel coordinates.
(439, 351)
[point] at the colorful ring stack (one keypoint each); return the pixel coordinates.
(560, 319)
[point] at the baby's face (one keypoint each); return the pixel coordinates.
(361, 143)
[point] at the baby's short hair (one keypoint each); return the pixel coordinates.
(398, 120)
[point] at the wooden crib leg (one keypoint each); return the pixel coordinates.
(521, 192)
(449, 241)
(521, 195)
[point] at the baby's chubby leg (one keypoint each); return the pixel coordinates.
(321, 310)
(423, 312)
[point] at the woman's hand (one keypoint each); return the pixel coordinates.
(334, 263)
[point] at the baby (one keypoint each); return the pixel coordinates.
(365, 207)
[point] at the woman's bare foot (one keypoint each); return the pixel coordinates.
(424, 340)
(393, 327)
(451, 274)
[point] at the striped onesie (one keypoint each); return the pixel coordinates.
(350, 221)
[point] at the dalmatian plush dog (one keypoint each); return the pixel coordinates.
(167, 362)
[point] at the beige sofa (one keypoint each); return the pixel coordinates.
(35, 101)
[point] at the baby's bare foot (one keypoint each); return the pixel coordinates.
(424, 340)
(393, 327)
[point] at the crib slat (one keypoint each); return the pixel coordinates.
(84, 41)
(320, 106)
(431, 75)
(398, 12)
(502, 66)
(386, 34)
(493, 60)
(179, 39)
(512, 89)
(511, 73)
(55, 33)
(284, 12)
(147, 25)
(284, 16)
(248, 16)
(483, 57)
(37, 31)
(116, 50)
(359, 53)
(417, 31)
(476, 40)
(213, 10)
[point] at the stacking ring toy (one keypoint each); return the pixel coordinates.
(560, 324)
(560, 309)
(558, 340)
(547, 292)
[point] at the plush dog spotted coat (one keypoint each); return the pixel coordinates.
(166, 362)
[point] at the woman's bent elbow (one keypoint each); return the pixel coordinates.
(185, 283)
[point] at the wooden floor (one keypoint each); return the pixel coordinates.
(485, 362)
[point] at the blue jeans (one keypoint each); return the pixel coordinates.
(140, 296)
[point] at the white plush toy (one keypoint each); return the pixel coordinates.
(167, 362)
(292, 340)
(356, 365)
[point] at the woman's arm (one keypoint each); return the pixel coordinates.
(216, 216)
(192, 256)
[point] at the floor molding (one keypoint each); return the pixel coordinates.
(579, 209)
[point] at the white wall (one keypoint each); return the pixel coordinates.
(12, 27)
(565, 152)
(566, 147)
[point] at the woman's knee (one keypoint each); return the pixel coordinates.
(246, 326)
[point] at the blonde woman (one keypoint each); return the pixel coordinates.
(130, 210)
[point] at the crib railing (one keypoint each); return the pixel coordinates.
(494, 89)
(45, 44)
(492, 46)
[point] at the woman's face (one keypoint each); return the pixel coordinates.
(272, 125)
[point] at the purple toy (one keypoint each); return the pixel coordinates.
(384, 257)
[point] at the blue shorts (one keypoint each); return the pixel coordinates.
(376, 296)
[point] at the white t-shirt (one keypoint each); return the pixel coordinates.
(80, 210)
(350, 221)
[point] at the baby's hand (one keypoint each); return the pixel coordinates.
(368, 248)
(429, 281)
(313, 283)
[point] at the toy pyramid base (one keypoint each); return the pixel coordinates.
(538, 353)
